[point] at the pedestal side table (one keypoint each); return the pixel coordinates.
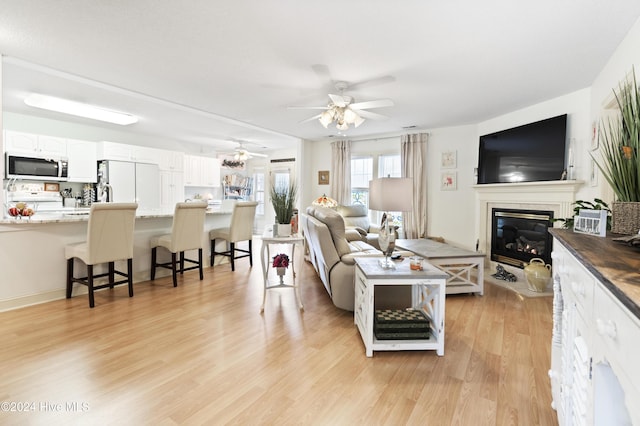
(265, 259)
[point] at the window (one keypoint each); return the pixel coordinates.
(361, 174)
(362, 171)
(389, 165)
(258, 194)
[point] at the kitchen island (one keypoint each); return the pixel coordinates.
(33, 264)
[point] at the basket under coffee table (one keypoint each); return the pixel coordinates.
(417, 327)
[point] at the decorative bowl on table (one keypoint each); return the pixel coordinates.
(20, 210)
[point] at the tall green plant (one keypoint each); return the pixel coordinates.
(283, 200)
(621, 143)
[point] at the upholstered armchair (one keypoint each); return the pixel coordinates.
(357, 224)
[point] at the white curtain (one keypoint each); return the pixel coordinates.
(413, 158)
(340, 178)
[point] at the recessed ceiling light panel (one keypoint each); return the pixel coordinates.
(79, 109)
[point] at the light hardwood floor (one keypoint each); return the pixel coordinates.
(202, 353)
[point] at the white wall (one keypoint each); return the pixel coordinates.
(451, 213)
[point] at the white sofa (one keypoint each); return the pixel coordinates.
(358, 225)
(333, 258)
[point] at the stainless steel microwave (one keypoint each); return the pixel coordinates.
(24, 166)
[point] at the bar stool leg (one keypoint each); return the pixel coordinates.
(112, 277)
(69, 277)
(153, 263)
(130, 276)
(173, 270)
(90, 285)
(232, 252)
(200, 263)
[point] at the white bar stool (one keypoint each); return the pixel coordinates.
(109, 239)
(186, 234)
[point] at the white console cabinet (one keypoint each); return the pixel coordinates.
(595, 352)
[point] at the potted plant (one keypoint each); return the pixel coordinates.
(596, 204)
(620, 156)
(283, 199)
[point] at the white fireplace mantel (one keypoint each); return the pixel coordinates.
(555, 196)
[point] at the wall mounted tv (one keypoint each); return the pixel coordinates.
(530, 153)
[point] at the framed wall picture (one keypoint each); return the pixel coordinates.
(448, 160)
(323, 177)
(52, 187)
(448, 181)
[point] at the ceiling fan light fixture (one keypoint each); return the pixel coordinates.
(358, 121)
(341, 125)
(241, 156)
(79, 109)
(326, 118)
(350, 116)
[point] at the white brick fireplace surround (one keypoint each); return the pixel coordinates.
(556, 196)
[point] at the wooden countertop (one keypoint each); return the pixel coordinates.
(615, 264)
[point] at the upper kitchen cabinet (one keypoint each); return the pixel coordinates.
(83, 158)
(41, 145)
(172, 161)
(201, 171)
(126, 152)
(115, 151)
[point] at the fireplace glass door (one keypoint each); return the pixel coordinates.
(517, 236)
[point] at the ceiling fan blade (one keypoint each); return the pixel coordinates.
(315, 117)
(372, 82)
(371, 115)
(372, 104)
(307, 107)
(339, 100)
(257, 154)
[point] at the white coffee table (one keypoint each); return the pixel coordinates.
(427, 295)
(265, 259)
(465, 267)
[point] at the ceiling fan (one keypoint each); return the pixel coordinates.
(344, 111)
(242, 154)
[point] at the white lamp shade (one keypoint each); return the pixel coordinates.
(391, 194)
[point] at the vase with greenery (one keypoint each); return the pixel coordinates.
(618, 162)
(283, 200)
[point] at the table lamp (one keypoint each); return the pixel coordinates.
(389, 195)
(325, 201)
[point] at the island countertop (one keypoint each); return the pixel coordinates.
(82, 215)
(33, 262)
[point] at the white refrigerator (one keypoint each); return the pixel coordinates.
(133, 182)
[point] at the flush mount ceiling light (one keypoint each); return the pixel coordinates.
(79, 109)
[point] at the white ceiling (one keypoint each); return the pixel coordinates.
(209, 71)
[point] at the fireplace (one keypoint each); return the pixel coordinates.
(518, 235)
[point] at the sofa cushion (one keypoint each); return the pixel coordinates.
(356, 215)
(335, 223)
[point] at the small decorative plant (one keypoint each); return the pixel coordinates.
(597, 204)
(281, 261)
(283, 200)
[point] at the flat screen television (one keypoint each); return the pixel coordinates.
(530, 153)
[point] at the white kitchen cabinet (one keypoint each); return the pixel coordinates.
(171, 160)
(126, 152)
(201, 171)
(594, 370)
(115, 151)
(210, 170)
(83, 158)
(171, 188)
(32, 144)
